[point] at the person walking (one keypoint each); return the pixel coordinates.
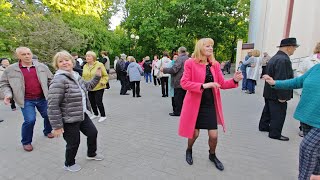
(252, 70)
(177, 71)
(243, 69)
(134, 72)
(122, 74)
(29, 89)
(274, 112)
(96, 94)
(147, 67)
(307, 112)
(202, 108)
(155, 71)
(164, 62)
(68, 105)
(106, 61)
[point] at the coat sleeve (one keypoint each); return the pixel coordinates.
(280, 73)
(295, 83)
(49, 74)
(225, 84)
(5, 85)
(90, 85)
(104, 77)
(55, 96)
(175, 68)
(186, 80)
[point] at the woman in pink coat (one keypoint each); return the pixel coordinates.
(202, 109)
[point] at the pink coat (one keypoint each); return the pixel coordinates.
(193, 77)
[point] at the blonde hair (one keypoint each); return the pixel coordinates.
(197, 54)
(93, 54)
(256, 53)
(317, 49)
(131, 59)
(62, 54)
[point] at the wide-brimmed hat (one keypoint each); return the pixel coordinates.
(289, 42)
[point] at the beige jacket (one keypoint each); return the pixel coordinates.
(12, 81)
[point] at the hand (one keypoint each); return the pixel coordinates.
(57, 132)
(269, 79)
(7, 100)
(161, 69)
(238, 76)
(98, 72)
(282, 101)
(211, 85)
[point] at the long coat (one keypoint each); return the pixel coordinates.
(253, 69)
(193, 77)
(279, 68)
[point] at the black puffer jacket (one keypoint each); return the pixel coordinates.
(65, 99)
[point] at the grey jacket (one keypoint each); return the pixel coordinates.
(177, 70)
(12, 81)
(134, 71)
(65, 98)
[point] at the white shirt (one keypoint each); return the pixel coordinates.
(307, 63)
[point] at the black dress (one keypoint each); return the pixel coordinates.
(207, 118)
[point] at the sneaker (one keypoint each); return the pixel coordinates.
(93, 117)
(101, 119)
(73, 168)
(98, 157)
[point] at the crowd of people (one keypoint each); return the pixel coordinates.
(70, 99)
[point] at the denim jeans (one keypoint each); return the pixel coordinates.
(29, 115)
(147, 76)
(244, 81)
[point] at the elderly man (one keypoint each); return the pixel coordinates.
(274, 112)
(176, 71)
(27, 82)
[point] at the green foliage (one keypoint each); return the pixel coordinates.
(169, 24)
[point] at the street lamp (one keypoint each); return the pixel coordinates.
(135, 38)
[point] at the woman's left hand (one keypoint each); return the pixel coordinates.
(238, 76)
(98, 72)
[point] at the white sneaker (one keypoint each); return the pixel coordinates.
(98, 157)
(73, 168)
(101, 119)
(93, 117)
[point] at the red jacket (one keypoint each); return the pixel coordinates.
(192, 79)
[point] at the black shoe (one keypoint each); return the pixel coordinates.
(216, 161)
(1, 120)
(264, 130)
(138, 96)
(173, 114)
(281, 138)
(133, 96)
(125, 94)
(163, 95)
(189, 156)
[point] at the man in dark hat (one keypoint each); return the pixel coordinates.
(279, 67)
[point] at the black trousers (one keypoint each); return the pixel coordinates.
(179, 95)
(273, 117)
(164, 86)
(72, 136)
(264, 69)
(123, 82)
(13, 104)
(155, 79)
(173, 105)
(135, 86)
(95, 98)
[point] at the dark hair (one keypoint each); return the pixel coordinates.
(104, 53)
(165, 53)
(1, 59)
(74, 54)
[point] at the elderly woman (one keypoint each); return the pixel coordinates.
(96, 94)
(134, 71)
(202, 108)
(68, 106)
(252, 70)
(308, 114)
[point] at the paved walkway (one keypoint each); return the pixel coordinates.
(139, 141)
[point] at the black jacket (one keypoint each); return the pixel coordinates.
(279, 68)
(147, 66)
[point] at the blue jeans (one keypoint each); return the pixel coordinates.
(147, 76)
(244, 80)
(29, 115)
(251, 85)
